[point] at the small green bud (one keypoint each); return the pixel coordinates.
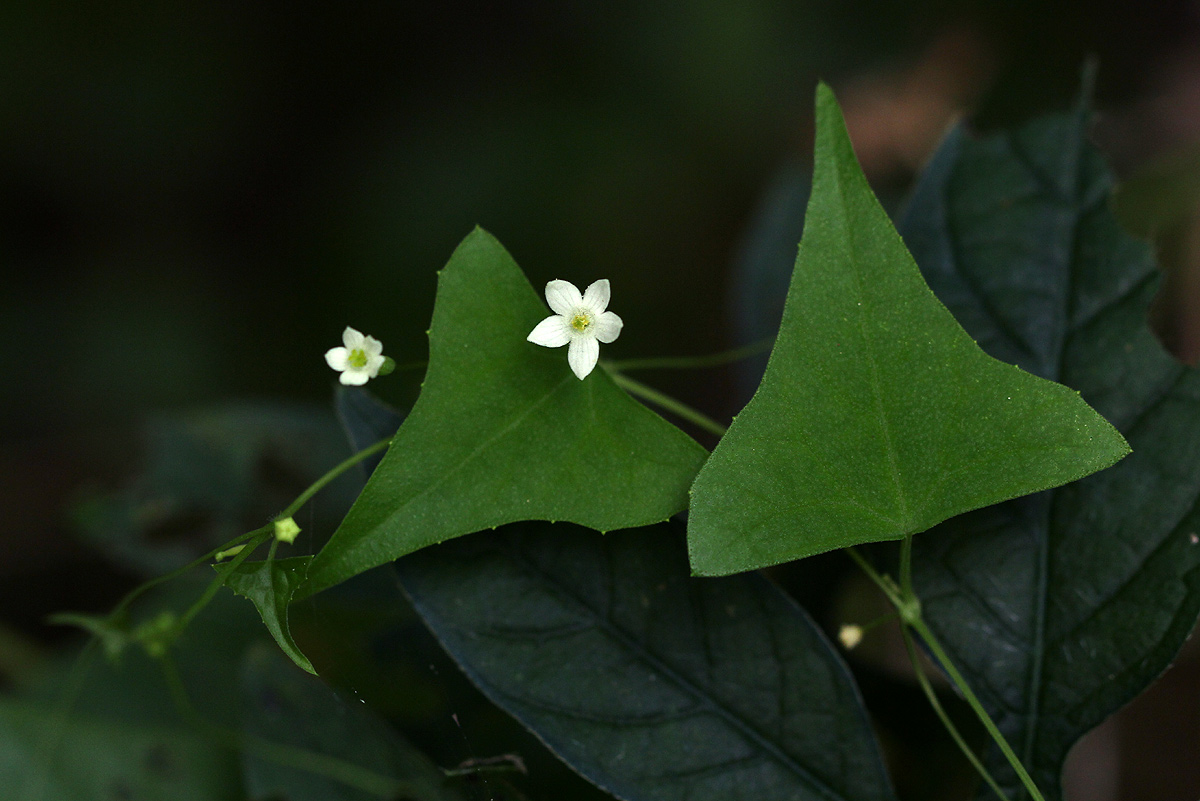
(286, 530)
(228, 552)
(389, 364)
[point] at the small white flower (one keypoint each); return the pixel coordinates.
(578, 320)
(359, 361)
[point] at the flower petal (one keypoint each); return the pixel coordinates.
(583, 355)
(372, 347)
(352, 338)
(596, 296)
(553, 332)
(563, 297)
(373, 365)
(354, 378)
(336, 358)
(608, 327)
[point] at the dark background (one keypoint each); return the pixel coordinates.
(196, 197)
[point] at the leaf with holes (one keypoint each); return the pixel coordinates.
(878, 416)
(1060, 607)
(503, 431)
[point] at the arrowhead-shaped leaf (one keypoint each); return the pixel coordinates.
(1060, 607)
(503, 431)
(270, 585)
(653, 685)
(878, 416)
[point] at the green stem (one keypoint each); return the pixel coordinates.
(693, 362)
(885, 584)
(931, 696)
(320, 483)
(670, 404)
(217, 583)
(908, 605)
(906, 585)
(939, 654)
(138, 591)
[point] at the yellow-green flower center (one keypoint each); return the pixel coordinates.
(581, 320)
(357, 359)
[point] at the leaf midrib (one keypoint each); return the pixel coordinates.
(692, 689)
(868, 347)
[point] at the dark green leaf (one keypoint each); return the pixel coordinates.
(365, 420)
(503, 431)
(47, 758)
(211, 474)
(878, 416)
(763, 267)
(649, 683)
(1060, 607)
(305, 743)
(271, 586)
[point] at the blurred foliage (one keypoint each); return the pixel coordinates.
(212, 474)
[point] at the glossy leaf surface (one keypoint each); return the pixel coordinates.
(1060, 607)
(878, 415)
(503, 431)
(649, 683)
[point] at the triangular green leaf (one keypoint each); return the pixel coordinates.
(270, 585)
(1060, 607)
(651, 684)
(503, 431)
(878, 416)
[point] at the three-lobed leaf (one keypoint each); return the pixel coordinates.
(650, 683)
(878, 416)
(1060, 607)
(503, 431)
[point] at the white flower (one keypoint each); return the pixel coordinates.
(359, 361)
(578, 320)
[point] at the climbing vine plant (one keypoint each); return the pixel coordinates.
(970, 407)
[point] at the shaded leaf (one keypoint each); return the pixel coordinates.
(308, 744)
(271, 585)
(878, 416)
(763, 267)
(1060, 607)
(365, 420)
(503, 431)
(102, 758)
(211, 474)
(649, 683)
